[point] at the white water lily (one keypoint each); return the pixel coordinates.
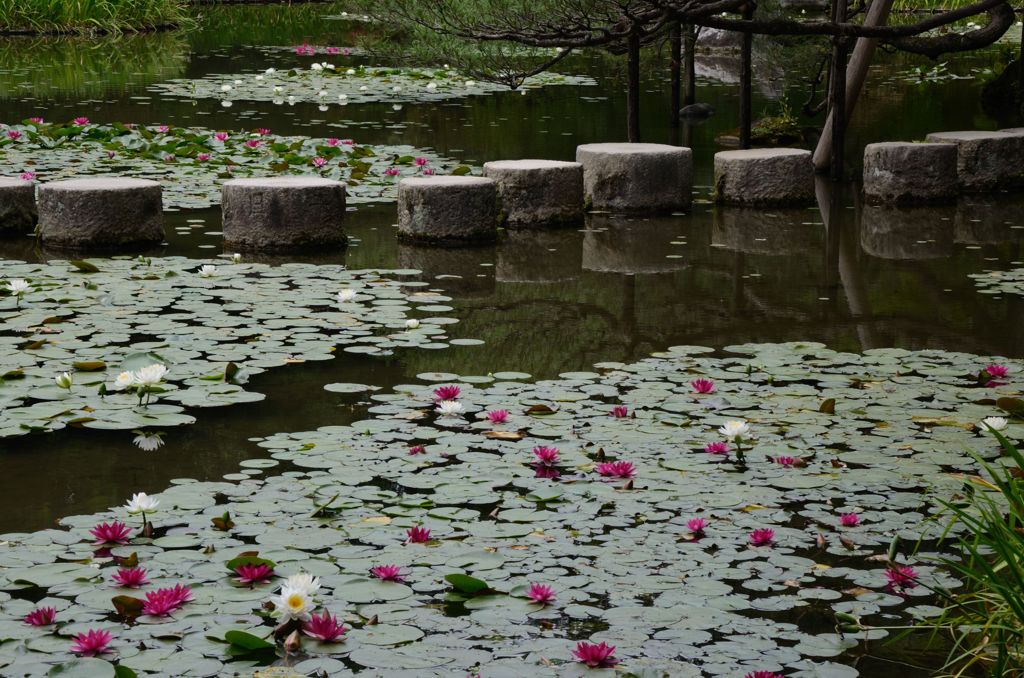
(342, 97)
(431, 86)
(148, 443)
(396, 88)
(316, 67)
(449, 408)
(151, 375)
(322, 93)
(412, 323)
(207, 271)
(293, 604)
(238, 82)
(236, 257)
(142, 503)
(303, 581)
(18, 286)
(124, 380)
(364, 88)
(225, 87)
(350, 71)
(995, 423)
(64, 380)
(347, 294)
(278, 89)
(226, 104)
(259, 77)
(734, 429)
(270, 71)
(470, 83)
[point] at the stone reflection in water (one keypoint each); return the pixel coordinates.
(531, 256)
(987, 220)
(632, 245)
(771, 231)
(907, 233)
(464, 271)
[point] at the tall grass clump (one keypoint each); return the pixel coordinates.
(88, 16)
(985, 620)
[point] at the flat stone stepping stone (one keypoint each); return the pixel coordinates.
(538, 193)
(623, 177)
(898, 172)
(102, 213)
(447, 210)
(283, 214)
(760, 177)
(17, 206)
(986, 161)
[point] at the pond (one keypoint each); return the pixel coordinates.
(878, 309)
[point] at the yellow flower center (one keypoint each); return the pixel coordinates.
(296, 601)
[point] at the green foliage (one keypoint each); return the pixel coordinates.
(89, 16)
(986, 620)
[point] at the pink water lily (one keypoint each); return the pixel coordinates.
(333, 50)
(37, 121)
(163, 129)
(717, 447)
(764, 536)
(348, 142)
(305, 49)
(221, 136)
(41, 616)
(27, 176)
(162, 602)
(497, 416)
(703, 385)
(764, 674)
(616, 469)
(697, 526)
(203, 157)
(788, 462)
(417, 449)
(130, 577)
(332, 142)
(901, 577)
(620, 411)
(319, 162)
(391, 171)
(420, 161)
(450, 392)
(849, 519)
(258, 573)
(114, 532)
(417, 535)
(253, 143)
(13, 134)
(81, 121)
(262, 131)
(92, 643)
(429, 171)
(387, 573)
(546, 455)
(596, 655)
(996, 370)
(324, 627)
(542, 594)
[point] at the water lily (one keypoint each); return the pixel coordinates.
(734, 429)
(764, 536)
(596, 655)
(27, 176)
(542, 594)
(81, 121)
(41, 616)
(416, 449)
(142, 503)
(996, 370)
(293, 603)
(148, 442)
(849, 519)
(203, 157)
(387, 572)
(497, 416)
(412, 324)
(325, 628)
(346, 295)
(150, 376)
(764, 674)
(92, 643)
(236, 258)
(17, 287)
(317, 67)
(130, 577)
(162, 602)
(221, 136)
(696, 526)
(253, 143)
(319, 162)
(13, 134)
(259, 573)
(225, 87)
(417, 535)
(124, 380)
(163, 129)
(64, 380)
(785, 461)
(717, 447)
(37, 120)
(303, 581)
(620, 411)
(449, 408)
(450, 392)
(114, 532)
(995, 423)
(546, 455)
(420, 161)
(391, 171)
(703, 385)
(333, 142)
(616, 469)
(431, 86)
(901, 577)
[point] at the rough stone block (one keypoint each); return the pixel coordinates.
(538, 193)
(905, 173)
(636, 177)
(17, 206)
(101, 213)
(986, 161)
(760, 177)
(281, 214)
(447, 210)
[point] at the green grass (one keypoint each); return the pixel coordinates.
(88, 16)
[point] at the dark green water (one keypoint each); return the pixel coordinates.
(544, 303)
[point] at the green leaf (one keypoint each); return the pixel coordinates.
(247, 641)
(84, 266)
(249, 559)
(1014, 406)
(89, 365)
(828, 407)
(460, 170)
(127, 606)
(466, 584)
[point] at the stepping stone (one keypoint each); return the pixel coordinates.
(538, 193)
(102, 213)
(778, 232)
(907, 233)
(897, 172)
(17, 206)
(447, 210)
(762, 177)
(986, 161)
(622, 177)
(283, 214)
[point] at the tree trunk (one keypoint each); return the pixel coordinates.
(746, 76)
(633, 93)
(838, 94)
(689, 69)
(675, 45)
(878, 15)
